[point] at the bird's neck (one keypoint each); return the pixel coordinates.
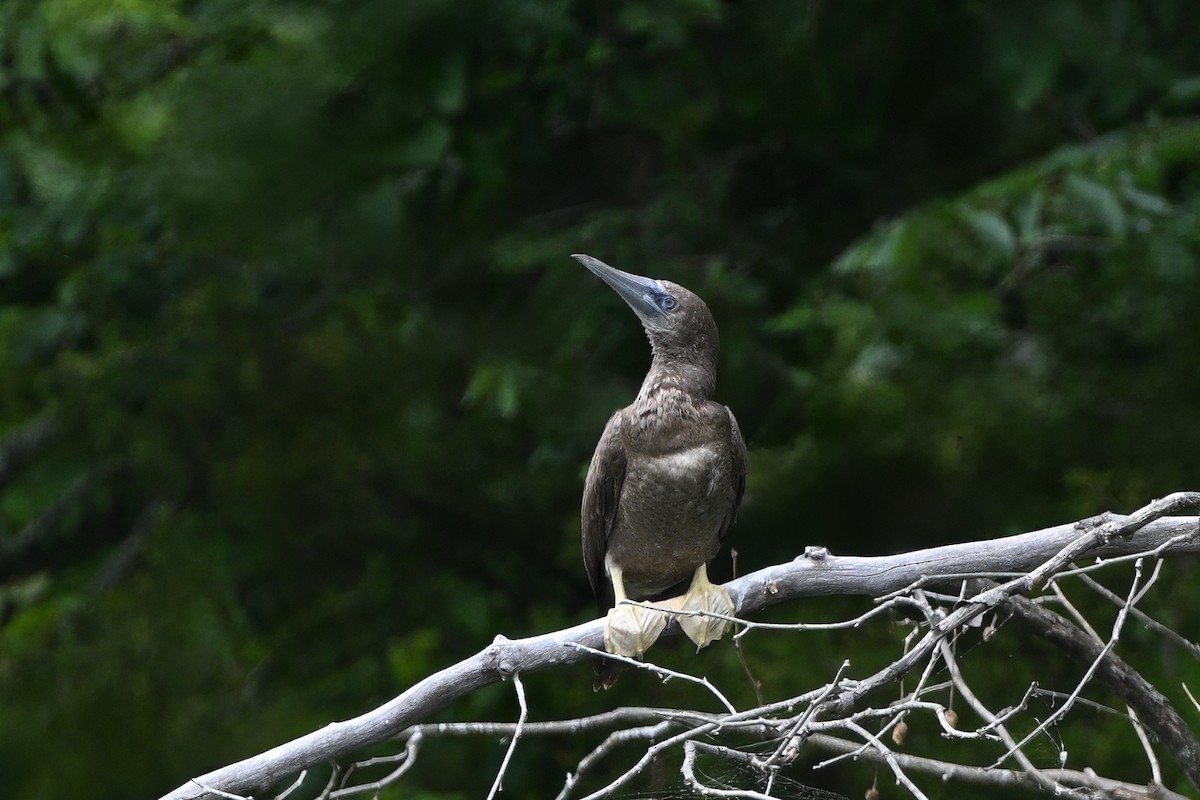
(692, 377)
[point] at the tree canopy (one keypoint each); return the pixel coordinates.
(301, 383)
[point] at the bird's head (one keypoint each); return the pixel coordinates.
(680, 327)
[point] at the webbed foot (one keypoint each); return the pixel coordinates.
(703, 596)
(630, 630)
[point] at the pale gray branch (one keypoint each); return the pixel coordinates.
(817, 573)
(498, 784)
(1000, 778)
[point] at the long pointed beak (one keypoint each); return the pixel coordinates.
(635, 290)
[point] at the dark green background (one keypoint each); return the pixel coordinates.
(309, 382)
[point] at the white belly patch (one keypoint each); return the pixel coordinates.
(686, 463)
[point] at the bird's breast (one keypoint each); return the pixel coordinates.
(684, 465)
(670, 516)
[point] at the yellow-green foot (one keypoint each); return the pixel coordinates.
(630, 630)
(706, 597)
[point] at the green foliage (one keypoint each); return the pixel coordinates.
(297, 273)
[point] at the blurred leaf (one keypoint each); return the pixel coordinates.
(994, 230)
(1145, 201)
(1028, 215)
(1100, 203)
(499, 385)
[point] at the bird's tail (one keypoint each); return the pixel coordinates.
(605, 672)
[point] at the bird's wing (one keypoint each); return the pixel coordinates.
(739, 471)
(601, 493)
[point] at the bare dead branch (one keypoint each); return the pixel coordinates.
(663, 673)
(688, 770)
(995, 722)
(1145, 619)
(1126, 608)
(614, 740)
(1003, 778)
(406, 758)
(1037, 557)
(1106, 649)
(498, 784)
(294, 785)
(1152, 708)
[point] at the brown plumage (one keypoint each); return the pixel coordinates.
(669, 471)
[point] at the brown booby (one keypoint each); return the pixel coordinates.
(665, 481)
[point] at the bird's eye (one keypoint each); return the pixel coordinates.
(668, 303)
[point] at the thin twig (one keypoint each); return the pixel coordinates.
(409, 758)
(602, 750)
(1061, 711)
(1081, 621)
(662, 672)
(995, 722)
(1147, 748)
(792, 741)
(1142, 616)
(498, 784)
(957, 577)
(796, 627)
(651, 753)
(336, 780)
(890, 759)
(1155, 552)
(755, 683)
(295, 785)
(1000, 778)
(1154, 710)
(1075, 613)
(218, 792)
(688, 771)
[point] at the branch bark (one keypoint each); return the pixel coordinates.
(998, 778)
(1152, 708)
(816, 573)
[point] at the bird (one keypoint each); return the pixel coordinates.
(665, 482)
